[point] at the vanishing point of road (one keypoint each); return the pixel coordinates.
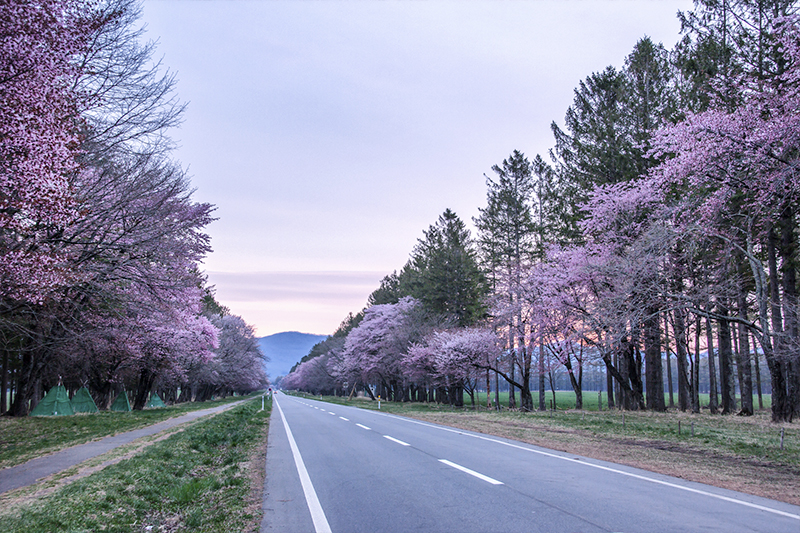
(343, 469)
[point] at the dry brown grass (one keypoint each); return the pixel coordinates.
(759, 476)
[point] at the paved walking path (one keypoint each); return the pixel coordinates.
(35, 469)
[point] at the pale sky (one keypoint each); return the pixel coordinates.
(330, 134)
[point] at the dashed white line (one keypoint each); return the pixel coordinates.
(345, 419)
(396, 440)
(601, 467)
(363, 426)
(471, 472)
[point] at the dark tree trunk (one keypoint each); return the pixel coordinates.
(727, 383)
(488, 390)
(743, 366)
(186, 393)
(789, 277)
(4, 383)
(542, 402)
(610, 388)
(625, 366)
(525, 398)
(624, 384)
(713, 399)
(575, 382)
(497, 391)
(757, 367)
(696, 369)
(512, 396)
(669, 363)
(684, 387)
(776, 367)
(654, 375)
(146, 379)
(24, 387)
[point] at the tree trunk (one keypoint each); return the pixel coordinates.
(713, 400)
(743, 366)
(780, 412)
(512, 353)
(146, 379)
(727, 382)
(4, 384)
(488, 391)
(497, 391)
(625, 365)
(24, 388)
(654, 375)
(525, 397)
(757, 366)
(576, 386)
(696, 369)
(526, 400)
(789, 277)
(681, 352)
(669, 363)
(542, 403)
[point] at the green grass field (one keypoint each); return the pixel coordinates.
(565, 400)
(198, 479)
(24, 438)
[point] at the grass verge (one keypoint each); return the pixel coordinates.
(739, 453)
(206, 478)
(25, 438)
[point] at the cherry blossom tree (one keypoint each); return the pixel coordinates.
(39, 139)
(374, 349)
(452, 359)
(110, 235)
(236, 364)
(740, 165)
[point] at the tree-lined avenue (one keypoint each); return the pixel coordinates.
(381, 472)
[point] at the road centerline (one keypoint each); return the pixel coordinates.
(649, 479)
(363, 426)
(398, 441)
(471, 472)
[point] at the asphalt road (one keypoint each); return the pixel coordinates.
(363, 471)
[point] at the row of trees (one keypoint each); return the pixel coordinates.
(664, 225)
(99, 237)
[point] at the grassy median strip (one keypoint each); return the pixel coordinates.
(22, 439)
(200, 479)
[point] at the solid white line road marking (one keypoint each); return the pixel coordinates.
(471, 472)
(601, 467)
(396, 440)
(363, 426)
(317, 514)
(345, 419)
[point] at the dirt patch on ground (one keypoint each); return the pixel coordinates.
(256, 472)
(744, 474)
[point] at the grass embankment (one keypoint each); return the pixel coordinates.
(22, 439)
(739, 453)
(207, 478)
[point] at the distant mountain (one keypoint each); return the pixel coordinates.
(285, 349)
